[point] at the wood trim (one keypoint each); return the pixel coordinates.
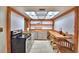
(53, 24)
(8, 41)
(28, 23)
(76, 30)
(8, 27)
(25, 24)
(15, 11)
(63, 14)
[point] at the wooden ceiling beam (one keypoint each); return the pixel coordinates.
(14, 10)
(63, 14)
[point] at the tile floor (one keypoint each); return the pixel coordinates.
(41, 46)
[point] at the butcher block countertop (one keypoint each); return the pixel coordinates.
(55, 34)
(58, 35)
(40, 30)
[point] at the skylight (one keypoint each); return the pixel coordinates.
(42, 14)
(32, 15)
(51, 14)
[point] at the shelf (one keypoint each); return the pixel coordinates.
(41, 24)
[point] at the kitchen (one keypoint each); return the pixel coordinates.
(31, 24)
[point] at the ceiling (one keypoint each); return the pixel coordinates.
(23, 9)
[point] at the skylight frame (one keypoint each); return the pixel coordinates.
(51, 14)
(32, 14)
(48, 15)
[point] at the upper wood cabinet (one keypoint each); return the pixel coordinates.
(41, 24)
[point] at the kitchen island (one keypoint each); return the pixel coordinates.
(59, 41)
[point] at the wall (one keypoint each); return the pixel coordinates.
(3, 25)
(66, 23)
(17, 22)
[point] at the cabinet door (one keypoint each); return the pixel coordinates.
(39, 35)
(44, 35)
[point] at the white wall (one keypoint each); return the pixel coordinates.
(66, 23)
(17, 22)
(2, 24)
